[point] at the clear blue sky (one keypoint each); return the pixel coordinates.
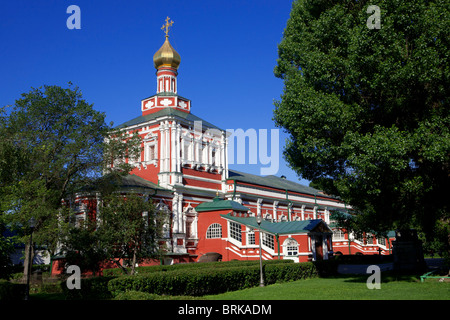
(228, 51)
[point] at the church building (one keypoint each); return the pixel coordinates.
(213, 209)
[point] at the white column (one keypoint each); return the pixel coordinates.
(274, 213)
(161, 145)
(167, 142)
(225, 155)
(181, 216)
(175, 215)
(191, 150)
(194, 227)
(258, 208)
(172, 147)
(315, 212)
(303, 211)
(178, 148)
(290, 211)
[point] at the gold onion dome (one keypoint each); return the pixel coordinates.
(166, 56)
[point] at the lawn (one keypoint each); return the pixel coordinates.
(343, 288)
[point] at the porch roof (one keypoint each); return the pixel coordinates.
(283, 227)
(220, 204)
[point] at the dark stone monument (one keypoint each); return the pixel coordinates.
(407, 252)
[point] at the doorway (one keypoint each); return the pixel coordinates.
(319, 247)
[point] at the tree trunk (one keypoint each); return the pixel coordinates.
(134, 261)
(27, 259)
(121, 266)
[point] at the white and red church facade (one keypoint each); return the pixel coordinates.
(184, 168)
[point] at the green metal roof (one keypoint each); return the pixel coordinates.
(219, 204)
(133, 181)
(283, 227)
(169, 111)
(127, 182)
(273, 182)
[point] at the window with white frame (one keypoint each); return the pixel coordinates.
(214, 231)
(235, 231)
(268, 241)
(290, 247)
(213, 157)
(381, 241)
(338, 235)
(186, 146)
(151, 152)
(250, 236)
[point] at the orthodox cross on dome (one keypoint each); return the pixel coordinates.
(167, 26)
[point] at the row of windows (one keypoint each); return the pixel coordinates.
(215, 231)
(150, 153)
(339, 235)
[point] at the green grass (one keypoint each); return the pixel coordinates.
(343, 288)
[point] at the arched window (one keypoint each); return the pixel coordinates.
(290, 247)
(214, 231)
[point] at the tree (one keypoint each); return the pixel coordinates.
(130, 228)
(6, 249)
(53, 143)
(126, 231)
(83, 247)
(367, 110)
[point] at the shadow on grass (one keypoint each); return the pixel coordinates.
(386, 276)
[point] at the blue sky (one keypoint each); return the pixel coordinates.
(228, 51)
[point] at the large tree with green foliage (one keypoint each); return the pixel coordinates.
(367, 109)
(127, 231)
(131, 228)
(53, 143)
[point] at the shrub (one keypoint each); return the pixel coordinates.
(11, 291)
(202, 281)
(198, 265)
(188, 282)
(135, 295)
(289, 272)
(326, 268)
(95, 288)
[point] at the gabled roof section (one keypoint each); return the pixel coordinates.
(129, 182)
(283, 227)
(220, 204)
(273, 182)
(132, 181)
(189, 117)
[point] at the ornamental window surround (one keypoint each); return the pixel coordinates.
(151, 149)
(290, 247)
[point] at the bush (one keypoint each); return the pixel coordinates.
(202, 281)
(326, 268)
(188, 282)
(289, 272)
(11, 291)
(135, 295)
(363, 259)
(184, 266)
(95, 288)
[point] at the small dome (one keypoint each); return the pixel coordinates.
(166, 56)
